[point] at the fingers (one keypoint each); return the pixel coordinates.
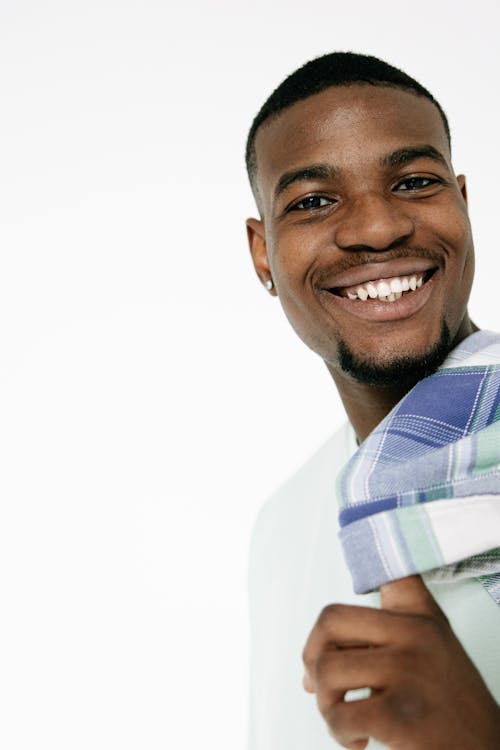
(349, 625)
(338, 671)
(396, 706)
(405, 653)
(345, 626)
(409, 595)
(352, 723)
(413, 618)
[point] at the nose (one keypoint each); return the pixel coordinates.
(372, 222)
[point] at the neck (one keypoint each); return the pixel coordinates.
(367, 405)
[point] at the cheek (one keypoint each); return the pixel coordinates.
(290, 259)
(455, 237)
(462, 253)
(459, 265)
(292, 262)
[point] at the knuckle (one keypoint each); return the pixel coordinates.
(341, 723)
(435, 627)
(329, 615)
(332, 714)
(307, 659)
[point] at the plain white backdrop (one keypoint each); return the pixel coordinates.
(152, 393)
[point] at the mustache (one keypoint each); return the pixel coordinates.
(363, 257)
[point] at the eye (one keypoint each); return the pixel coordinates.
(311, 203)
(411, 184)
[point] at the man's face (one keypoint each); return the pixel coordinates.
(364, 225)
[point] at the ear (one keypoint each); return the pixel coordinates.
(257, 242)
(463, 186)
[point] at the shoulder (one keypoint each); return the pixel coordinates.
(293, 504)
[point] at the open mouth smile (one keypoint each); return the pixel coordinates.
(385, 289)
(395, 294)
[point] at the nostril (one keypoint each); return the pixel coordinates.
(373, 224)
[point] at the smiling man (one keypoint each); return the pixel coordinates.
(364, 237)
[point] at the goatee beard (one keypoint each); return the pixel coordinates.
(406, 370)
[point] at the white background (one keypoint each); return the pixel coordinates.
(152, 394)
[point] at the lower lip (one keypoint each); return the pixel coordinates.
(375, 310)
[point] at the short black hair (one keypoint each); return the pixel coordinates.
(334, 69)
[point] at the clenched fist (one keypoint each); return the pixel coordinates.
(426, 694)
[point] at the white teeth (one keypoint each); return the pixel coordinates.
(383, 289)
(386, 290)
(396, 286)
(362, 293)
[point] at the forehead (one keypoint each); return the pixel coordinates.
(347, 126)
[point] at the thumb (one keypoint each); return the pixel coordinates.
(408, 595)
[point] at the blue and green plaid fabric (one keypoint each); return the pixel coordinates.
(422, 493)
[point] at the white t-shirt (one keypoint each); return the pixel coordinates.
(296, 569)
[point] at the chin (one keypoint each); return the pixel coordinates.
(393, 368)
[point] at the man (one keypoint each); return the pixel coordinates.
(365, 239)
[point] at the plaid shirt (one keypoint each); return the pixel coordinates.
(422, 493)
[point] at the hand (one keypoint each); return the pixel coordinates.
(426, 694)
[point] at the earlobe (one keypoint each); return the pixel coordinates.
(257, 242)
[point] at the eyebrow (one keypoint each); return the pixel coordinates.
(311, 172)
(405, 155)
(395, 159)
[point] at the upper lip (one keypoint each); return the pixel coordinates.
(363, 273)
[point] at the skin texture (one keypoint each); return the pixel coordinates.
(426, 693)
(369, 208)
(370, 215)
